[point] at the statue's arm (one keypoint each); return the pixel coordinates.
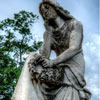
(74, 44)
(46, 46)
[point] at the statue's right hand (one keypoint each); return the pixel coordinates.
(48, 28)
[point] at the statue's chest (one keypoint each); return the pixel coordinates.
(60, 38)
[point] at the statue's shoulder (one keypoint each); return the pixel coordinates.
(75, 22)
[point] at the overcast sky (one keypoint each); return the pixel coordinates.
(87, 11)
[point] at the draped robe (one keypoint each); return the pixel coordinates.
(28, 89)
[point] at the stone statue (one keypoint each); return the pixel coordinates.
(63, 77)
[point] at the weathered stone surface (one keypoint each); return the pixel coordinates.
(63, 77)
(24, 89)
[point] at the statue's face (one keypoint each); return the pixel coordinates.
(48, 12)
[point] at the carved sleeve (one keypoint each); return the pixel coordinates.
(46, 46)
(75, 43)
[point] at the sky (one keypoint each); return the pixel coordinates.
(86, 11)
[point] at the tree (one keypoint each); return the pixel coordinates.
(8, 79)
(16, 40)
(18, 35)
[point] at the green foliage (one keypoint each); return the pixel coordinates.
(8, 79)
(18, 35)
(16, 41)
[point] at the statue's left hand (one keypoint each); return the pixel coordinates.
(40, 60)
(47, 63)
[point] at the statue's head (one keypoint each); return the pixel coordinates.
(48, 12)
(53, 1)
(50, 9)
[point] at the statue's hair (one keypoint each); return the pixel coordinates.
(60, 11)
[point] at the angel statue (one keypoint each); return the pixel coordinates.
(61, 78)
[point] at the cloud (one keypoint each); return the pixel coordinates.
(91, 54)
